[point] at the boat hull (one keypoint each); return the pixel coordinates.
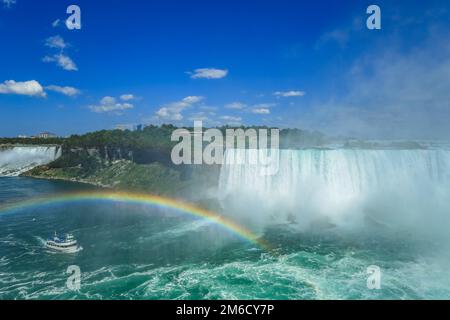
(63, 248)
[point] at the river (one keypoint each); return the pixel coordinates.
(139, 251)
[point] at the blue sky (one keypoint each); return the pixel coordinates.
(307, 64)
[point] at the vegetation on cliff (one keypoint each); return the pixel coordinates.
(140, 160)
(121, 174)
(136, 160)
(101, 159)
(157, 138)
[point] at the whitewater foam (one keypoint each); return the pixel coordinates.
(342, 185)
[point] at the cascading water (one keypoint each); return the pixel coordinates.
(19, 159)
(388, 186)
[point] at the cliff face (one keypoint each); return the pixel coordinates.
(124, 169)
(111, 154)
(105, 153)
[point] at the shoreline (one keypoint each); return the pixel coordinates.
(106, 188)
(81, 181)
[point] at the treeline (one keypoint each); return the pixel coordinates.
(31, 141)
(151, 137)
(157, 138)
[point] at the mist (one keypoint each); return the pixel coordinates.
(345, 190)
(394, 91)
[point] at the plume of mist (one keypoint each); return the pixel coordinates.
(391, 93)
(388, 190)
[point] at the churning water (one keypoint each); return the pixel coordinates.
(327, 215)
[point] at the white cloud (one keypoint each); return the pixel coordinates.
(168, 114)
(209, 73)
(110, 105)
(55, 23)
(8, 3)
(199, 116)
(27, 88)
(261, 111)
(210, 109)
(261, 108)
(68, 91)
(264, 105)
(192, 99)
(236, 105)
(56, 42)
(108, 100)
(127, 97)
(292, 93)
(173, 111)
(231, 118)
(63, 61)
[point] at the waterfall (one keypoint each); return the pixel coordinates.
(334, 183)
(19, 159)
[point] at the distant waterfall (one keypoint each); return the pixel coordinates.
(334, 182)
(16, 160)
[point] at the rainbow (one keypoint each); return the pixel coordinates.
(143, 199)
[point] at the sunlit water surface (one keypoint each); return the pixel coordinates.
(141, 252)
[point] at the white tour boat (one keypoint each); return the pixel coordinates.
(67, 244)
